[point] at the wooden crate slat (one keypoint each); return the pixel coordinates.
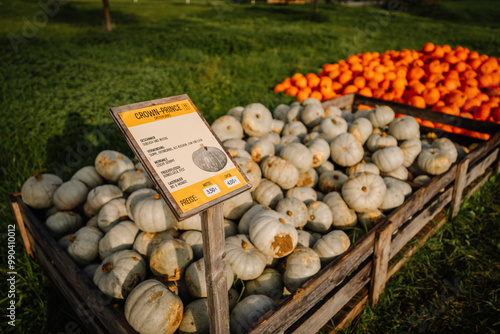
(421, 197)
(409, 249)
(82, 286)
(458, 187)
(460, 122)
(214, 252)
(354, 311)
(294, 307)
(318, 316)
(20, 223)
(417, 223)
(381, 254)
(481, 167)
(343, 102)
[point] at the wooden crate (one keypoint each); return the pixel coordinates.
(97, 312)
(341, 288)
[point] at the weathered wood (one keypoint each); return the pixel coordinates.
(99, 305)
(458, 187)
(343, 102)
(481, 167)
(420, 198)
(406, 233)
(460, 122)
(214, 252)
(482, 149)
(497, 166)
(474, 186)
(354, 310)
(20, 224)
(381, 252)
(318, 316)
(316, 288)
(405, 254)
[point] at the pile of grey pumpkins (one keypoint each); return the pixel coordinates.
(320, 177)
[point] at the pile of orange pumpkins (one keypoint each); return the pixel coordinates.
(455, 81)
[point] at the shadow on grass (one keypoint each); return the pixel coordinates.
(293, 12)
(79, 144)
(476, 13)
(80, 16)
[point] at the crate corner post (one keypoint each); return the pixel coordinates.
(212, 226)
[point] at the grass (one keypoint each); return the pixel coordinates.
(60, 81)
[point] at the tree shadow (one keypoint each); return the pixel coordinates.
(93, 17)
(79, 144)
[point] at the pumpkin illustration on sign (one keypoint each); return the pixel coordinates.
(209, 159)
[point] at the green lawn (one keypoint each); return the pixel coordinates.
(60, 78)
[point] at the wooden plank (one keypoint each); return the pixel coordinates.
(354, 311)
(431, 115)
(458, 187)
(418, 222)
(381, 252)
(99, 304)
(81, 309)
(355, 305)
(481, 167)
(292, 308)
(405, 254)
(497, 166)
(421, 197)
(59, 281)
(343, 102)
(317, 317)
(478, 184)
(20, 224)
(482, 149)
(214, 252)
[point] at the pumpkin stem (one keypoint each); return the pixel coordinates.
(311, 217)
(363, 161)
(290, 213)
(334, 121)
(172, 288)
(244, 245)
(335, 177)
(364, 189)
(176, 276)
(123, 218)
(107, 267)
(384, 134)
(434, 152)
(198, 265)
(282, 221)
(228, 128)
(203, 148)
(72, 238)
(258, 115)
(138, 171)
(157, 196)
(37, 176)
(120, 157)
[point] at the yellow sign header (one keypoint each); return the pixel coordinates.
(156, 113)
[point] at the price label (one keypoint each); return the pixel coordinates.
(232, 181)
(212, 190)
